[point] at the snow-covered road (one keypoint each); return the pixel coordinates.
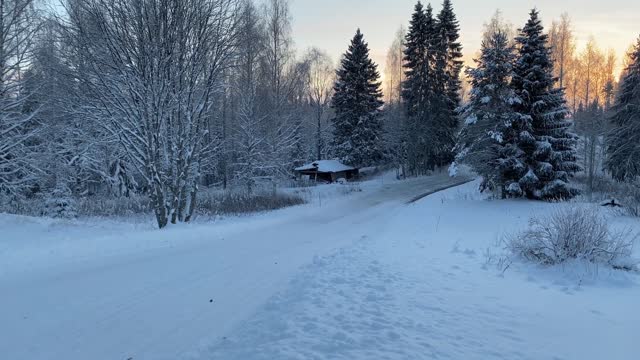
(96, 292)
(419, 286)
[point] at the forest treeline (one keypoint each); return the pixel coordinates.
(109, 98)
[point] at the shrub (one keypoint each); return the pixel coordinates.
(208, 202)
(114, 206)
(237, 203)
(349, 188)
(19, 205)
(211, 203)
(575, 233)
(60, 205)
(628, 194)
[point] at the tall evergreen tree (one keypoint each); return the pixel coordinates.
(357, 101)
(623, 150)
(488, 139)
(413, 87)
(418, 89)
(550, 149)
(448, 67)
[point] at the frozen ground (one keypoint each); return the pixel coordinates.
(112, 290)
(359, 277)
(418, 286)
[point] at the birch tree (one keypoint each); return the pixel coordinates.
(321, 77)
(394, 122)
(152, 68)
(281, 77)
(394, 70)
(18, 27)
(249, 136)
(563, 47)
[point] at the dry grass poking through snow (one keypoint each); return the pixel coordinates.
(573, 234)
(209, 203)
(242, 203)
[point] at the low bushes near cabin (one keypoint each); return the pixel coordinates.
(349, 188)
(573, 234)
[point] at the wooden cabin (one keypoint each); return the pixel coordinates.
(327, 171)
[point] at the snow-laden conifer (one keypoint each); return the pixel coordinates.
(357, 102)
(488, 141)
(623, 149)
(549, 147)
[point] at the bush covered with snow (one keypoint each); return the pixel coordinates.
(628, 196)
(209, 202)
(60, 205)
(350, 188)
(12, 204)
(103, 206)
(574, 233)
(453, 169)
(625, 194)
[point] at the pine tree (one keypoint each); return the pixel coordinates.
(488, 140)
(357, 101)
(418, 88)
(413, 88)
(623, 151)
(448, 67)
(550, 149)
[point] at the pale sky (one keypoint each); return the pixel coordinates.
(330, 24)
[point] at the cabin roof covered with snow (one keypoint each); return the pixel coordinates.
(325, 166)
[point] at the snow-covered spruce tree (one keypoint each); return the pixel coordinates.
(418, 90)
(448, 67)
(357, 102)
(488, 140)
(623, 150)
(550, 149)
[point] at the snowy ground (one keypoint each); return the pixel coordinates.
(364, 276)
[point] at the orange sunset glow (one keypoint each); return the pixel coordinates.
(329, 24)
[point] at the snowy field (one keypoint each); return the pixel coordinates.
(351, 275)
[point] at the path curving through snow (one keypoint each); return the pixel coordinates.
(420, 287)
(70, 291)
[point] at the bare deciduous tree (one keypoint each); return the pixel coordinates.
(394, 71)
(282, 75)
(563, 46)
(152, 68)
(321, 76)
(18, 26)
